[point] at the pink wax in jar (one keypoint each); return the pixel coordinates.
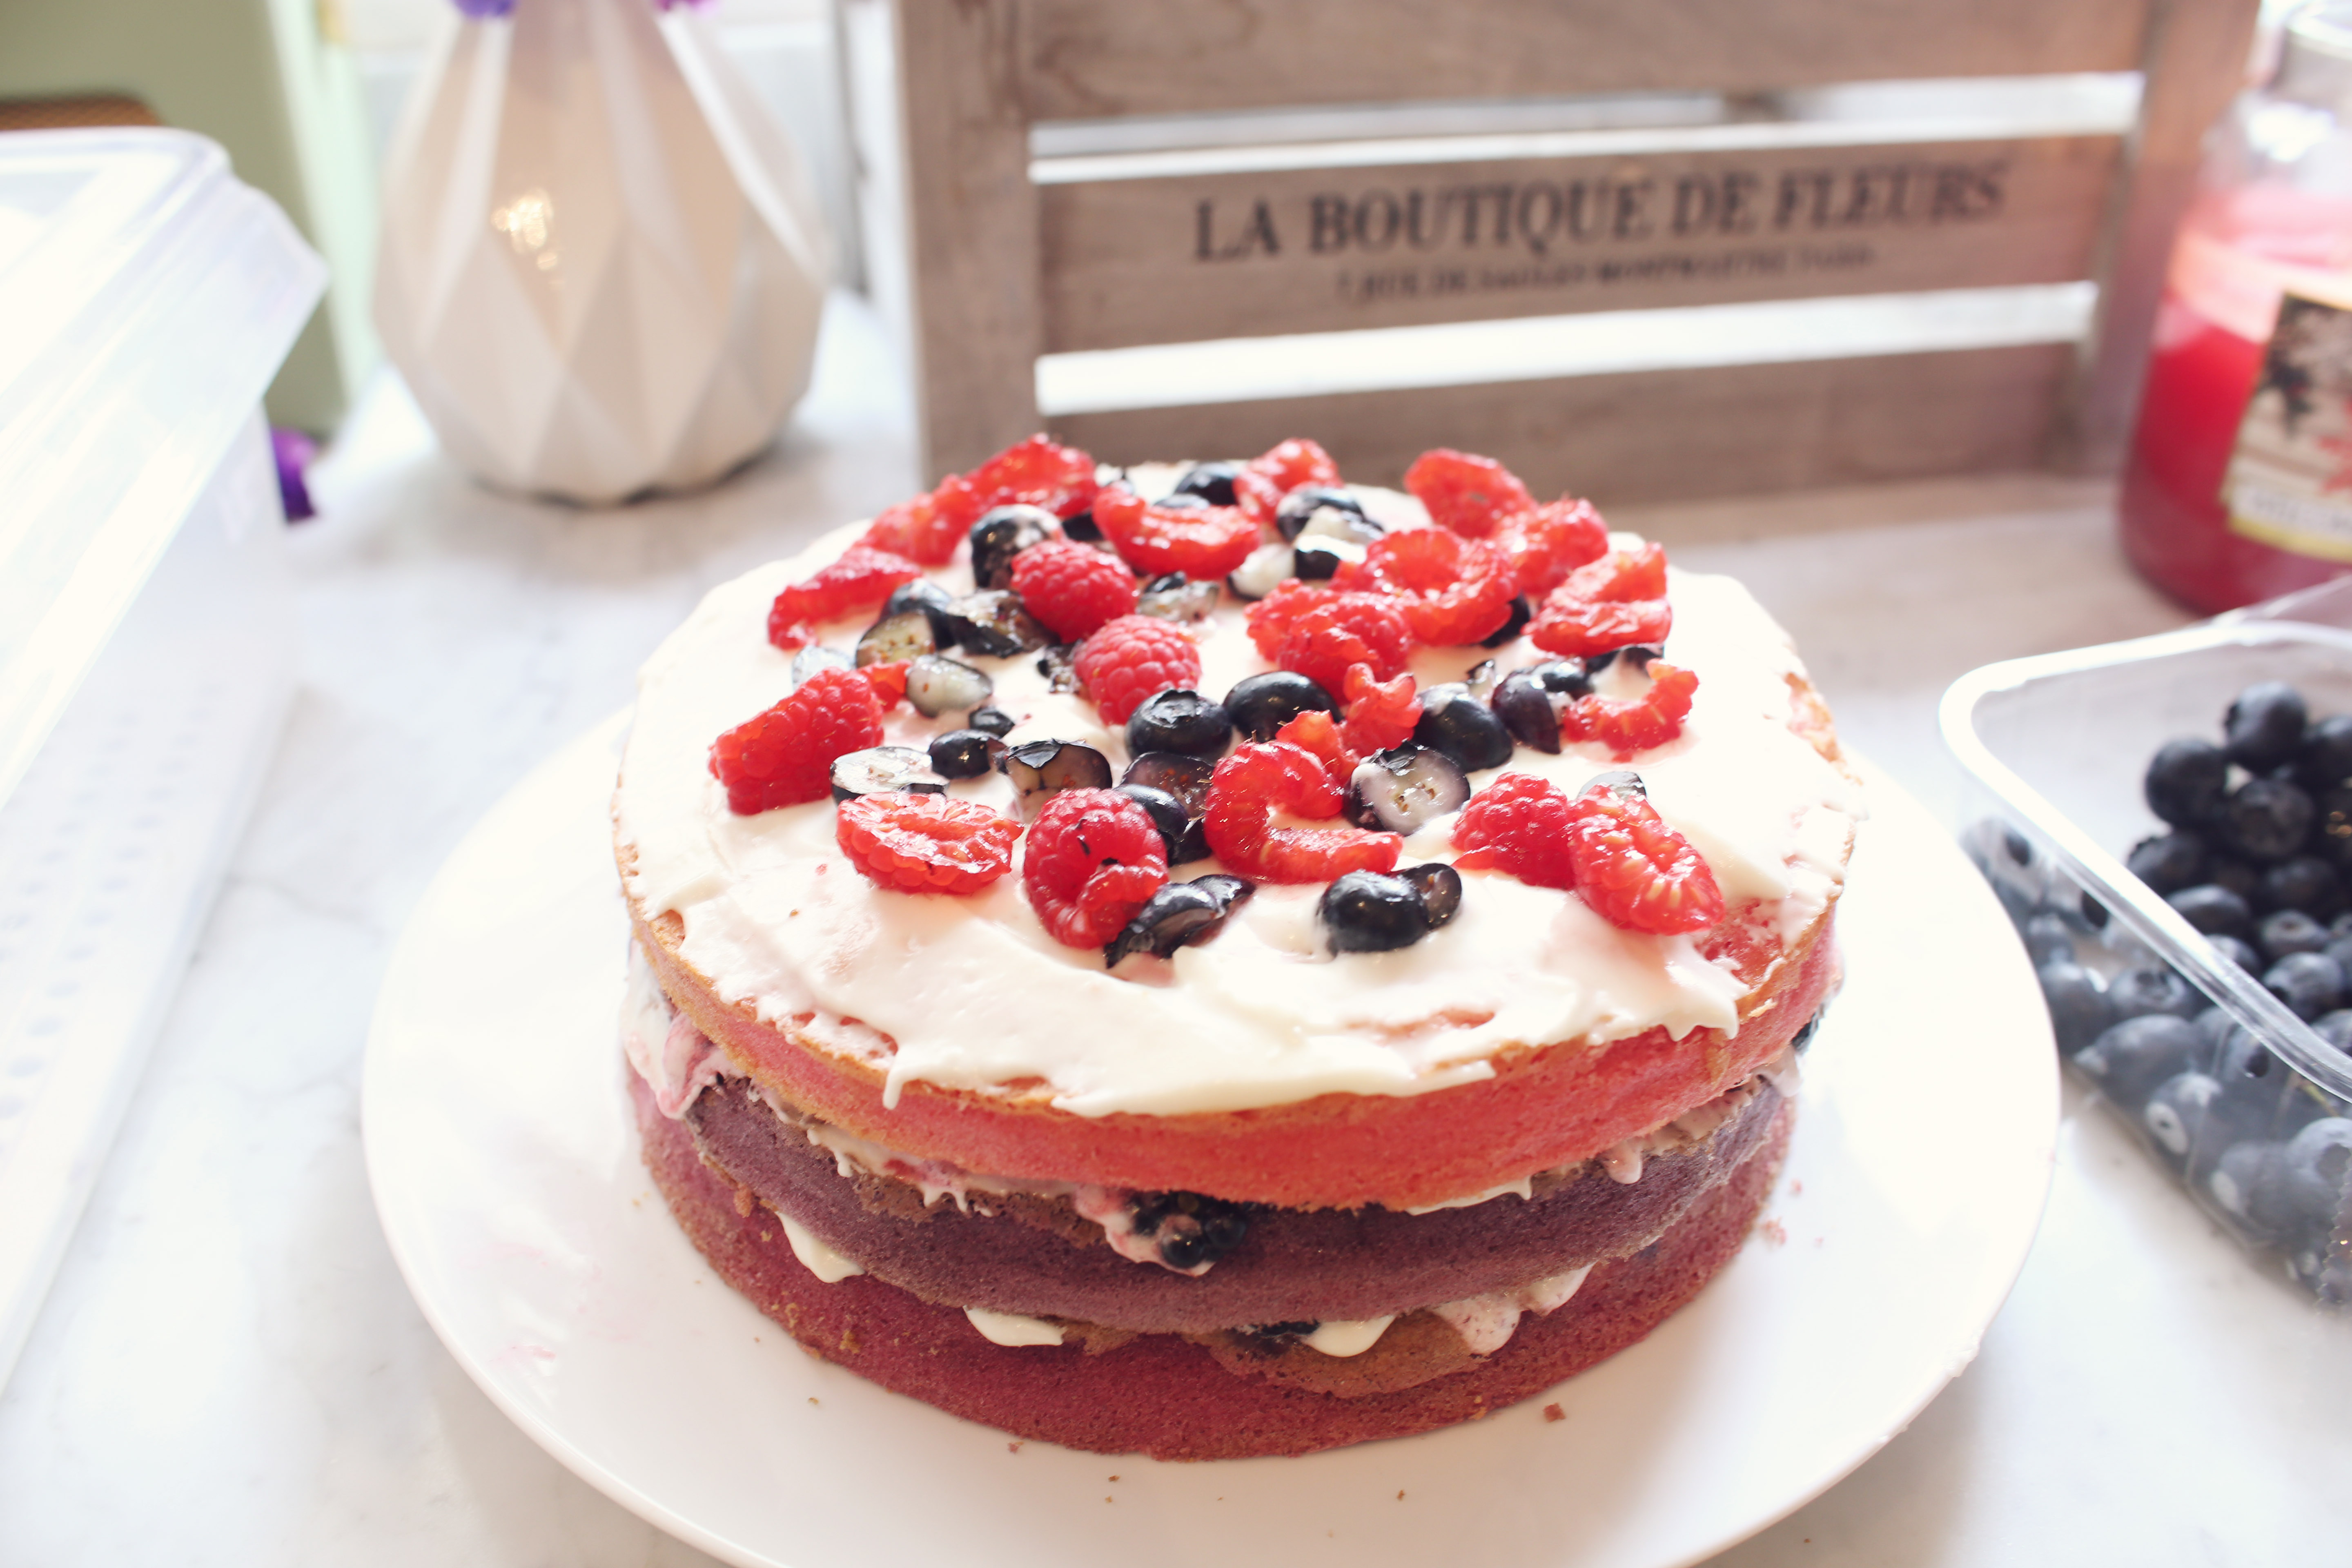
(2239, 482)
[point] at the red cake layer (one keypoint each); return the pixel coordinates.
(1039, 1259)
(1158, 1394)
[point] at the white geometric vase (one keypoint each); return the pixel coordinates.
(602, 265)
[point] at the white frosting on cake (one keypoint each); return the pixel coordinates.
(974, 994)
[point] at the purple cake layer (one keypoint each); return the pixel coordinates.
(1036, 1258)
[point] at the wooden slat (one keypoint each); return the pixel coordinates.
(2194, 66)
(1185, 259)
(971, 218)
(1088, 59)
(1658, 436)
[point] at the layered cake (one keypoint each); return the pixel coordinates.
(1212, 961)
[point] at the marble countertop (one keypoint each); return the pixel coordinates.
(229, 1369)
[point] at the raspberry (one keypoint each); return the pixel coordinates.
(1451, 590)
(1255, 782)
(1133, 658)
(1518, 824)
(926, 842)
(1271, 618)
(929, 528)
(1607, 604)
(859, 579)
(1627, 727)
(1545, 544)
(1347, 628)
(1093, 857)
(1317, 734)
(1035, 472)
(785, 756)
(1072, 588)
(1464, 492)
(889, 679)
(1273, 474)
(1379, 714)
(1203, 542)
(790, 639)
(1636, 872)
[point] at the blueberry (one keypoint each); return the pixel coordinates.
(1317, 560)
(964, 753)
(1058, 665)
(2290, 931)
(1405, 788)
(2325, 761)
(1175, 597)
(1526, 708)
(1440, 887)
(1167, 813)
(878, 769)
(2214, 910)
(1003, 533)
(2259, 1098)
(1482, 680)
(2135, 1055)
(2175, 1113)
(816, 657)
(2331, 828)
(937, 684)
(1806, 1031)
(922, 593)
(1179, 721)
(2249, 1181)
(1370, 912)
(1083, 528)
(1181, 501)
(2263, 728)
(2240, 877)
(1523, 610)
(1192, 846)
(2336, 1028)
(2265, 819)
(2048, 939)
(1190, 1230)
(1040, 770)
(2169, 862)
(992, 622)
(2304, 882)
(1267, 568)
(2242, 954)
(2137, 993)
(2310, 984)
(1639, 655)
(2093, 913)
(2185, 782)
(1172, 773)
(2318, 1160)
(1302, 506)
(1212, 482)
(2079, 1010)
(1347, 524)
(1260, 704)
(1454, 723)
(905, 635)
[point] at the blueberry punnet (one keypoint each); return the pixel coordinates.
(964, 753)
(2263, 728)
(878, 769)
(2185, 782)
(1180, 721)
(1454, 723)
(1405, 788)
(1040, 770)
(1374, 911)
(905, 635)
(1180, 914)
(937, 684)
(2265, 819)
(1003, 533)
(1260, 704)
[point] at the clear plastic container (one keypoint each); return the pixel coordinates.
(146, 621)
(2059, 746)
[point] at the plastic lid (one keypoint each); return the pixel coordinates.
(146, 300)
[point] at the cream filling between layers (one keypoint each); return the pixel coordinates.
(974, 994)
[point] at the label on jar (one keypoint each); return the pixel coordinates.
(2290, 478)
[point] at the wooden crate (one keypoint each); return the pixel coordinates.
(1012, 248)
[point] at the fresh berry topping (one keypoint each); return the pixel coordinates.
(1133, 658)
(1252, 785)
(1548, 543)
(1518, 824)
(1636, 725)
(1440, 887)
(1523, 610)
(1075, 589)
(1181, 914)
(937, 684)
(1324, 508)
(857, 580)
(1466, 493)
(1636, 872)
(882, 770)
(1263, 570)
(926, 842)
(965, 753)
(1167, 813)
(1368, 911)
(896, 639)
(992, 721)
(1041, 770)
(1003, 533)
(929, 528)
(1180, 719)
(1186, 778)
(1380, 714)
(1345, 629)
(992, 622)
(1404, 789)
(889, 681)
(922, 593)
(1172, 597)
(1318, 732)
(2263, 727)
(1529, 701)
(1200, 541)
(1271, 618)
(1618, 599)
(1273, 474)
(1465, 729)
(1092, 859)
(1260, 704)
(789, 638)
(785, 756)
(1212, 482)
(1037, 473)
(1452, 591)
(816, 657)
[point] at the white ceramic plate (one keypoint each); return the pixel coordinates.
(505, 1167)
